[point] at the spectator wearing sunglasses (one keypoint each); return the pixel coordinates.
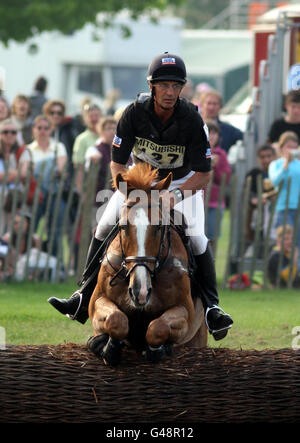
(45, 153)
(8, 159)
(8, 149)
(64, 130)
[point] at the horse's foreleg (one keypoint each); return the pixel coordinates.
(171, 326)
(108, 319)
(110, 328)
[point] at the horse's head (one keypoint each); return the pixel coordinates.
(141, 229)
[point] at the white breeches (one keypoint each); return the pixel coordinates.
(191, 207)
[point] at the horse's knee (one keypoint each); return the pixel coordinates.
(158, 332)
(116, 325)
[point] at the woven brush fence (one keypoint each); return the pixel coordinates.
(67, 383)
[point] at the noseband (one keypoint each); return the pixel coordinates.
(142, 260)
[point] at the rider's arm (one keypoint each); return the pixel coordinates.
(116, 168)
(198, 181)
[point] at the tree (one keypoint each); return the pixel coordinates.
(22, 19)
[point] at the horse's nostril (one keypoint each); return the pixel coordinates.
(139, 299)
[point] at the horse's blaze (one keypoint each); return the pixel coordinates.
(140, 282)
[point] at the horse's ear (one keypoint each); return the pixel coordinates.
(164, 183)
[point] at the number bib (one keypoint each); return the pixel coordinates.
(159, 156)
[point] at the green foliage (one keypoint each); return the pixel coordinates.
(22, 19)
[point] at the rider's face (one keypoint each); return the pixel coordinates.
(166, 93)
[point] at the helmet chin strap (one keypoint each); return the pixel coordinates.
(152, 90)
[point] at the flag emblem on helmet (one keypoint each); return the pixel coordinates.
(168, 61)
(117, 141)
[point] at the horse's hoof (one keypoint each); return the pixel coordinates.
(156, 355)
(112, 352)
(97, 343)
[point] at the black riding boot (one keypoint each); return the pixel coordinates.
(217, 321)
(76, 307)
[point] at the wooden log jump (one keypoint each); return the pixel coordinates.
(66, 383)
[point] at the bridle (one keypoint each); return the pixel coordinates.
(158, 261)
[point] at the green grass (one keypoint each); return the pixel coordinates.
(29, 319)
(262, 319)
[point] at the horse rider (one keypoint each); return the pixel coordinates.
(168, 133)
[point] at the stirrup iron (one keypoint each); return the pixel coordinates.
(214, 331)
(74, 316)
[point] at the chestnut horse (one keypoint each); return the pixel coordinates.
(143, 292)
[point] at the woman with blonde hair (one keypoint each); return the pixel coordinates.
(20, 114)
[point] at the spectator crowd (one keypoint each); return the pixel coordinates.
(38, 137)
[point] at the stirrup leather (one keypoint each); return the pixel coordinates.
(214, 331)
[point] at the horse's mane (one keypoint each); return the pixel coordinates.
(140, 176)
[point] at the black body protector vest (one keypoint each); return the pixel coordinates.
(163, 146)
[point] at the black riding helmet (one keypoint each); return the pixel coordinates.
(167, 67)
